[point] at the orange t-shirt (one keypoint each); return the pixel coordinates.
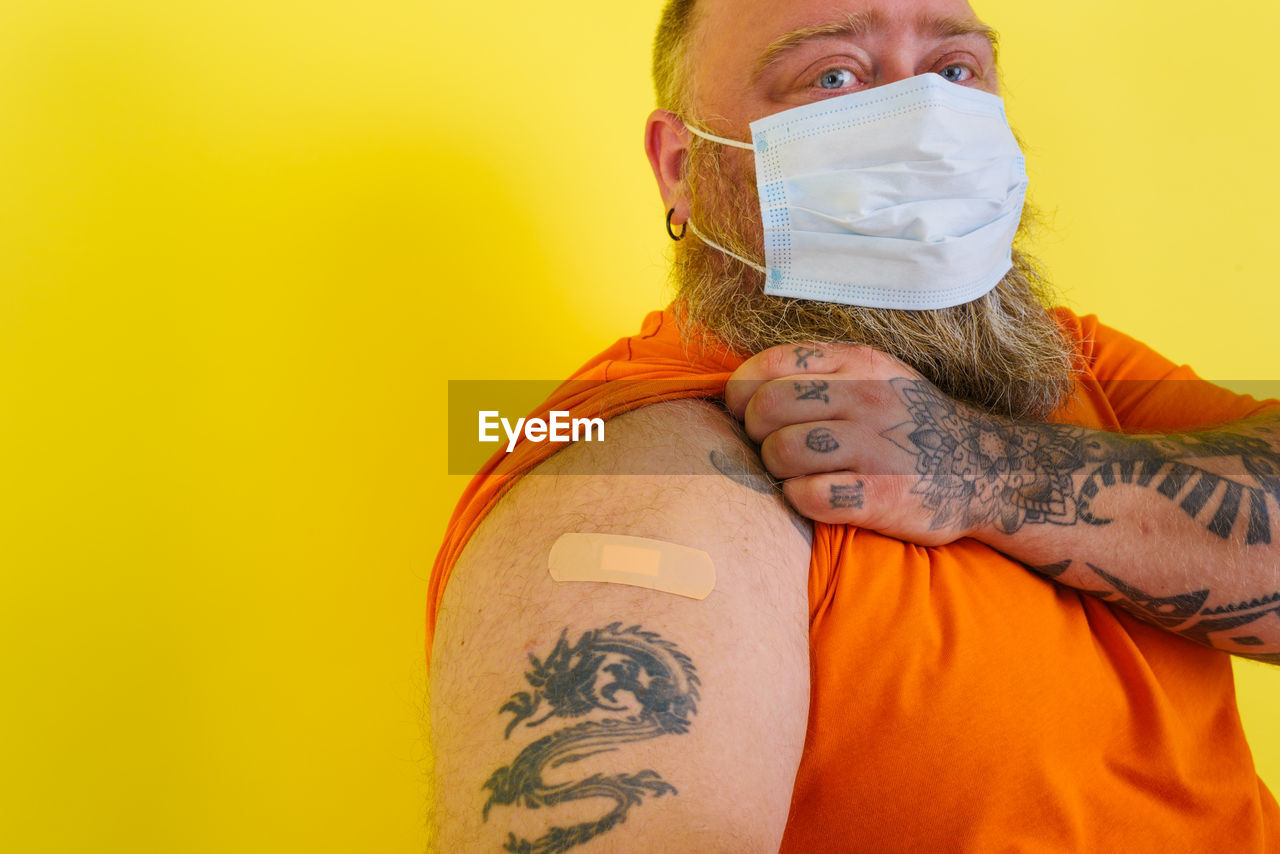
(958, 701)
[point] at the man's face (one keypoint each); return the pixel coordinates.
(749, 59)
(752, 58)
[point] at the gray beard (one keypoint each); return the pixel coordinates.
(1003, 352)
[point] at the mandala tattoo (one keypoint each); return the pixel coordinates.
(594, 676)
(978, 470)
(1222, 628)
(981, 470)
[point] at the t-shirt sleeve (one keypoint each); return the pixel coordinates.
(1151, 393)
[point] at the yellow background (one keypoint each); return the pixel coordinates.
(244, 244)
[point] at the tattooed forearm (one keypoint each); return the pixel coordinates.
(1222, 503)
(1224, 628)
(634, 686)
(743, 469)
(978, 470)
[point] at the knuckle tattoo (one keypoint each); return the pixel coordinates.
(845, 496)
(812, 390)
(821, 440)
(804, 354)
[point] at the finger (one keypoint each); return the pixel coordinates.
(783, 360)
(790, 400)
(862, 367)
(873, 404)
(878, 502)
(804, 449)
(832, 497)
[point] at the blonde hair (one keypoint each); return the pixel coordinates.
(670, 55)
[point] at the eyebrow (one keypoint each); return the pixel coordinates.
(860, 23)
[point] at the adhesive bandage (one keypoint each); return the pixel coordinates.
(637, 561)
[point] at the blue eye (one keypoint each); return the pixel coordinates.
(956, 73)
(835, 78)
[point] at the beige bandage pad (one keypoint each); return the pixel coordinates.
(637, 561)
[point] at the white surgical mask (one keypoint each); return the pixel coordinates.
(906, 195)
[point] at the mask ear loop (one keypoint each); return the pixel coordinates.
(698, 234)
(723, 140)
(752, 264)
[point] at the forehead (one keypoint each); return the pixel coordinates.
(731, 37)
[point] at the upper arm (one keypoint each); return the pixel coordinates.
(619, 717)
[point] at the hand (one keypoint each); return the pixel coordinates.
(858, 437)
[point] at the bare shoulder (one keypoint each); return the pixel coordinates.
(617, 714)
(659, 457)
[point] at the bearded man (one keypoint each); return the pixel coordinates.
(1025, 544)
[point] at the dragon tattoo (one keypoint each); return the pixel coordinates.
(594, 676)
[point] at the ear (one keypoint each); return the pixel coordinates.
(667, 143)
